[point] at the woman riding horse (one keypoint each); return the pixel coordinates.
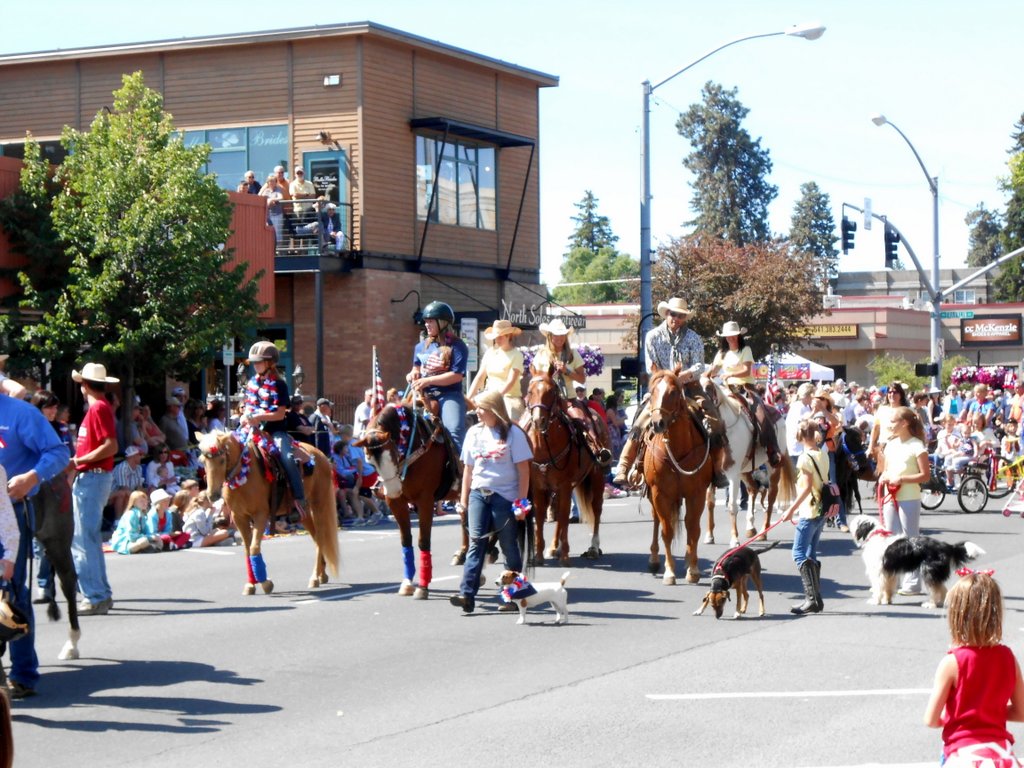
(439, 365)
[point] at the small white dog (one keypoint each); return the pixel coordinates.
(529, 594)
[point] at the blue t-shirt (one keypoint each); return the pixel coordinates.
(431, 362)
(356, 452)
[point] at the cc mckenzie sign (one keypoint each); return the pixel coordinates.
(990, 331)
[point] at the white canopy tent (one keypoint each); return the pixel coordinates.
(793, 367)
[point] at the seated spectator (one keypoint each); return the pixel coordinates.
(201, 523)
(191, 487)
(132, 534)
(249, 185)
(1009, 447)
(163, 523)
(966, 452)
(215, 417)
(349, 472)
(128, 478)
(177, 437)
(377, 506)
(160, 471)
(154, 435)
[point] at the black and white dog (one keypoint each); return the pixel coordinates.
(887, 556)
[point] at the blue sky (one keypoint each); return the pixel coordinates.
(944, 72)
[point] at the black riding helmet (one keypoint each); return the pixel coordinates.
(438, 310)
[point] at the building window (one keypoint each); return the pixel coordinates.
(466, 183)
(233, 151)
(965, 296)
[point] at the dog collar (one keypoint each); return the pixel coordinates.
(879, 532)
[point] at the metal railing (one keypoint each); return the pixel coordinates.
(302, 235)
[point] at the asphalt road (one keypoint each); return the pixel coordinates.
(185, 670)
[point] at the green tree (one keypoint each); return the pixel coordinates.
(731, 191)
(766, 288)
(888, 368)
(150, 290)
(812, 230)
(984, 243)
(598, 272)
(1009, 284)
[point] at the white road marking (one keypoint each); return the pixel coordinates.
(787, 694)
(347, 595)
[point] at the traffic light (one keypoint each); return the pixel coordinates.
(892, 238)
(848, 227)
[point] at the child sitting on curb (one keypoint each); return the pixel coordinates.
(131, 535)
(160, 522)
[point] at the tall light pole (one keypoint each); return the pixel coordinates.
(936, 297)
(807, 32)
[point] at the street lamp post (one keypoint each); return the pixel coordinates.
(936, 290)
(807, 32)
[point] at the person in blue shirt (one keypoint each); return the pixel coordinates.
(32, 453)
(439, 366)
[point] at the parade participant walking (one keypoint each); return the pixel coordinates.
(501, 369)
(495, 486)
(94, 462)
(978, 685)
(32, 454)
(266, 407)
(670, 344)
(439, 366)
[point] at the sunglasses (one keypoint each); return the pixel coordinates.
(677, 315)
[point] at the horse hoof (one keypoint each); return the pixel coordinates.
(405, 589)
(421, 593)
(761, 537)
(68, 652)
(314, 583)
(652, 568)
(669, 579)
(564, 561)
(591, 554)
(459, 558)
(750, 533)
(734, 542)
(268, 587)
(692, 576)
(323, 579)
(249, 589)
(552, 552)
(709, 538)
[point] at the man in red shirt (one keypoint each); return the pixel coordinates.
(94, 461)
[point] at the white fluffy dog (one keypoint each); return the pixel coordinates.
(887, 556)
(546, 592)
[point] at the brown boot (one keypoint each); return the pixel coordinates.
(626, 459)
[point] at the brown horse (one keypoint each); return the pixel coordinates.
(248, 493)
(677, 469)
(416, 469)
(561, 463)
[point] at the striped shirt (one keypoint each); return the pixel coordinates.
(667, 350)
(127, 476)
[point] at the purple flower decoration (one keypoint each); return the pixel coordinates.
(993, 376)
(593, 357)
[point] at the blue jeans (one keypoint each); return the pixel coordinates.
(90, 493)
(24, 662)
(283, 441)
(453, 415)
(488, 513)
(805, 540)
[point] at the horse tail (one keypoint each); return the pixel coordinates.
(584, 496)
(324, 510)
(787, 481)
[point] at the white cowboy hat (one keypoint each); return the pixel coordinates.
(501, 328)
(159, 495)
(731, 328)
(94, 372)
(555, 328)
(675, 304)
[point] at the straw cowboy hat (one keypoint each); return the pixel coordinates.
(824, 394)
(675, 304)
(731, 328)
(555, 328)
(501, 328)
(495, 403)
(95, 372)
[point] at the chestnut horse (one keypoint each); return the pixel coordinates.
(677, 469)
(561, 463)
(415, 468)
(233, 469)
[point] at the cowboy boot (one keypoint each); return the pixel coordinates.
(810, 603)
(626, 459)
(718, 457)
(816, 573)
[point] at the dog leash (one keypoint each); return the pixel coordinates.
(753, 538)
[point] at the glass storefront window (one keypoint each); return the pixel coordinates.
(233, 151)
(466, 183)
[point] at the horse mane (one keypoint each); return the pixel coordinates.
(387, 421)
(210, 442)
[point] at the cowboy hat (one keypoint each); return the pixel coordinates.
(731, 328)
(555, 328)
(675, 304)
(494, 402)
(95, 372)
(824, 394)
(501, 328)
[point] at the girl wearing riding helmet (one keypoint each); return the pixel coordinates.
(735, 363)
(567, 370)
(439, 365)
(266, 406)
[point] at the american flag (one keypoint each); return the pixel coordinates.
(769, 394)
(379, 400)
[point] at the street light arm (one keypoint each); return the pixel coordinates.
(932, 182)
(712, 52)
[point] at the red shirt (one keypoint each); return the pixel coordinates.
(598, 407)
(97, 426)
(976, 707)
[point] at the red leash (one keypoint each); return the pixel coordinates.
(753, 538)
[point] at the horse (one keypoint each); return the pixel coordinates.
(740, 433)
(561, 463)
(415, 468)
(233, 470)
(677, 468)
(54, 529)
(852, 464)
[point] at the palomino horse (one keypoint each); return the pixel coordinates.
(561, 463)
(740, 433)
(677, 469)
(55, 527)
(415, 468)
(235, 468)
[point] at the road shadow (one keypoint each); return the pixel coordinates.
(158, 607)
(87, 686)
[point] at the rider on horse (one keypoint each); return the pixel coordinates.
(266, 407)
(735, 362)
(669, 345)
(439, 366)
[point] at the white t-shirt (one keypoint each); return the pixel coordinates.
(494, 462)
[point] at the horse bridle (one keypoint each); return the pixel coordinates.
(543, 431)
(235, 469)
(668, 446)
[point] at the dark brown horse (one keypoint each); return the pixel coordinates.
(416, 469)
(233, 469)
(561, 463)
(55, 527)
(677, 470)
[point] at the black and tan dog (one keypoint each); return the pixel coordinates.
(733, 572)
